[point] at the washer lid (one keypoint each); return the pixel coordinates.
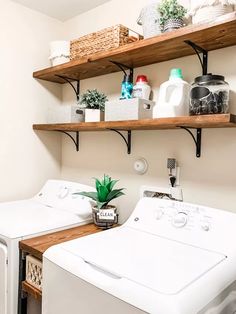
(163, 265)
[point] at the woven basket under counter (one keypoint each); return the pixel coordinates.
(104, 40)
(34, 272)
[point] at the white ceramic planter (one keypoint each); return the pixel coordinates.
(94, 115)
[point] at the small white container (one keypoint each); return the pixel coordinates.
(141, 88)
(77, 114)
(59, 52)
(94, 115)
(128, 109)
(173, 100)
(59, 60)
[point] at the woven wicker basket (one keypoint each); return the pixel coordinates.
(210, 13)
(34, 272)
(104, 40)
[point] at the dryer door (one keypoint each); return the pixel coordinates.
(3, 279)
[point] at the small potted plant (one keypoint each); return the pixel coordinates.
(104, 215)
(94, 103)
(171, 15)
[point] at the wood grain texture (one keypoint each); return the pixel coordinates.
(38, 245)
(207, 121)
(160, 48)
(34, 292)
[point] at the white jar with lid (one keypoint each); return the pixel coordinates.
(141, 88)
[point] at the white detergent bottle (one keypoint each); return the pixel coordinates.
(173, 100)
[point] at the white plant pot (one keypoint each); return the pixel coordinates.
(94, 115)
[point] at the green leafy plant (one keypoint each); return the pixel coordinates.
(170, 9)
(105, 192)
(93, 99)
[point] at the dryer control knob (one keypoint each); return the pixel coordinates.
(180, 220)
(159, 213)
(205, 226)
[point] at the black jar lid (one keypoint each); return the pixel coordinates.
(209, 77)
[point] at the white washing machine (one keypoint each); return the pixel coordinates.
(168, 258)
(54, 208)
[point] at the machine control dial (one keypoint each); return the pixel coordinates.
(63, 192)
(180, 220)
(205, 226)
(159, 213)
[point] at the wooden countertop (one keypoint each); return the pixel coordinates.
(38, 245)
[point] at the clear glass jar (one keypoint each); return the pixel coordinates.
(209, 95)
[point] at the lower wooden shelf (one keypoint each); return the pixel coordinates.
(188, 123)
(201, 121)
(29, 289)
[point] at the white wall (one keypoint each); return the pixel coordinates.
(27, 159)
(209, 180)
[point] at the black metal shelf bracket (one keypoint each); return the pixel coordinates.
(126, 140)
(197, 139)
(75, 89)
(123, 67)
(198, 50)
(75, 139)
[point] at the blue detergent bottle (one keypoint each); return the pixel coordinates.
(126, 87)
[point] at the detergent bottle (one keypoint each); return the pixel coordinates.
(173, 100)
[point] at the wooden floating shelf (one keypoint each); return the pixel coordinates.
(208, 121)
(161, 48)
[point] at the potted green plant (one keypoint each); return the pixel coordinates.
(171, 15)
(104, 214)
(94, 103)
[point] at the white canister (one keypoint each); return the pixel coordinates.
(141, 88)
(59, 52)
(149, 19)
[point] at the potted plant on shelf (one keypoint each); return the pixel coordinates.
(104, 215)
(94, 103)
(171, 15)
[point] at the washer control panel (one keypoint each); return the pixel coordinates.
(182, 215)
(187, 223)
(167, 215)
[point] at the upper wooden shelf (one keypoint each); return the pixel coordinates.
(208, 121)
(164, 47)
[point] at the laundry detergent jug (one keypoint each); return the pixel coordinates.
(173, 100)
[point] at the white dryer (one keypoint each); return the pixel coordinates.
(54, 208)
(168, 258)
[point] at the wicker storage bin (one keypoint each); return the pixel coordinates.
(210, 13)
(34, 272)
(106, 39)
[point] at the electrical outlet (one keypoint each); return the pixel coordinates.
(176, 174)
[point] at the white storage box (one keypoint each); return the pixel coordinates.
(34, 272)
(128, 109)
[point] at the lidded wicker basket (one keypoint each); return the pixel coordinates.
(104, 40)
(204, 11)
